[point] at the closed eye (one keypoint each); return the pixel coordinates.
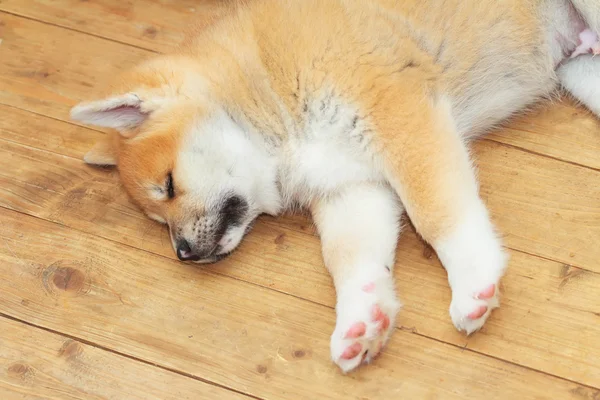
(169, 186)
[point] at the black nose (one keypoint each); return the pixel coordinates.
(185, 253)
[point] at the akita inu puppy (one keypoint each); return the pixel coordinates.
(357, 110)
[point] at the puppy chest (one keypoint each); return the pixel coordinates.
(331, 149)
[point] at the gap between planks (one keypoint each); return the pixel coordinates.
(124, 355)
(536, 153)
(68, 28)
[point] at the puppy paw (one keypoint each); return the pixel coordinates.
(475, 261)
(475, 289)
(470, 307)
(366, 313)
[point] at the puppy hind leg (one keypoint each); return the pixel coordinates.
(580, 76)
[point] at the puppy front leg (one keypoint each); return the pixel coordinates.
(359, 227)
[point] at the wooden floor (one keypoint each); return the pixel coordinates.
(93, 304)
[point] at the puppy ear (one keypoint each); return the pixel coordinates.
(123, 113)
(103, 153)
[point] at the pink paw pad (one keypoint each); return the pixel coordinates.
(380, 316)
(356, 330)
(478, 313)
(488, 293)
(351, 351)
(369, 287)
(376, 313)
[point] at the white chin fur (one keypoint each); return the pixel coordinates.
(232, 239)
(228, 243)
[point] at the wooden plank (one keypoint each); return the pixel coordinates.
(544, 301)
(46, 69)
(19, 126)
(153, 25)
(542, 206)
(40, 365)
(226, 331)
(560, 129)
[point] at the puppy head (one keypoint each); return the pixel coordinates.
(185, 162)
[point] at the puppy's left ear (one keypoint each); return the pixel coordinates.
(104, 152)
(123, 112)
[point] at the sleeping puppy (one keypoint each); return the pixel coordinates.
(356, 110)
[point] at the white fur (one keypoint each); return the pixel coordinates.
(333, 139)
(474, 259)
(217, 158)
(355, 305)
(359, 226)
(232, 238)
(588, 9)
(581, 77)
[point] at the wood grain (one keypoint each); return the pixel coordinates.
(561, 130)
(226, 331)
(35, 364)
(154, 25)
(19, 126)
(47, 69)
(542, 206)
(542, 299)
